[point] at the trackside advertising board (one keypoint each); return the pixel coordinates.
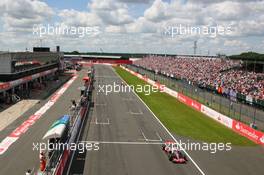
(240, 128)
(171, 92)
(190, 102)
(250, 133)
(217, 116)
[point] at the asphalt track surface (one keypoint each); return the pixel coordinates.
(119, 120)
(20, 155)
(126, 128)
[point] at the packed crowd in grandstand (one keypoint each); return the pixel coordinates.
(214, 72)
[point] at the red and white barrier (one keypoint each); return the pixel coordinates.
(62, 163)
(240, 128)
(246, 131)
(190, 102)
(171, 92)
(228, 122)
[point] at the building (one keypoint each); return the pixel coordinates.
(21, 70)
(88, 59)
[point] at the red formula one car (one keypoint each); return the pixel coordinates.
(174, 153)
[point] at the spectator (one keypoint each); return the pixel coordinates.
(222, 74)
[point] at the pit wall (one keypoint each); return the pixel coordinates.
(62, 164)
(66, 157)
(238, 127)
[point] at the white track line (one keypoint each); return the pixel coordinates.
(100, 104)
(136, 113)
(150, 140)
(195, 164)
(158, 136)
(144, 135)
(101, 123)
(123, 143)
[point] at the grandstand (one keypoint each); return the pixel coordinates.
(19, 71)
(15, 65)
(226, 76)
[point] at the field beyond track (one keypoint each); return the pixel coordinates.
(183, 120)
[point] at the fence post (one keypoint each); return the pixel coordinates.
(204, 101)
(230, 103)
(211, 100)
(220, 104)
(254, 117)
(240, 111)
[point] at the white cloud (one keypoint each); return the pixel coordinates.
(21, 15)
(217, 1)
(141, 25)
(111, 12)
(234, 43)
(251, 28)
(228, 10)
(78, 18)
(122, 31)
(115, 29)
(136, 1)
(157, 12)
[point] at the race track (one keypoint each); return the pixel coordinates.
(128, 127)
(121, 121)
(128, 135)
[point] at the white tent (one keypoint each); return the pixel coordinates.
(57, 128)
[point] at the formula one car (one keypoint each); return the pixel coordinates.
(177, 156)
(174, 153)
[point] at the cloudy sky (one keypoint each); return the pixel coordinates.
(148, 26)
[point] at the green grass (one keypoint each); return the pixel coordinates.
(183, 120)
